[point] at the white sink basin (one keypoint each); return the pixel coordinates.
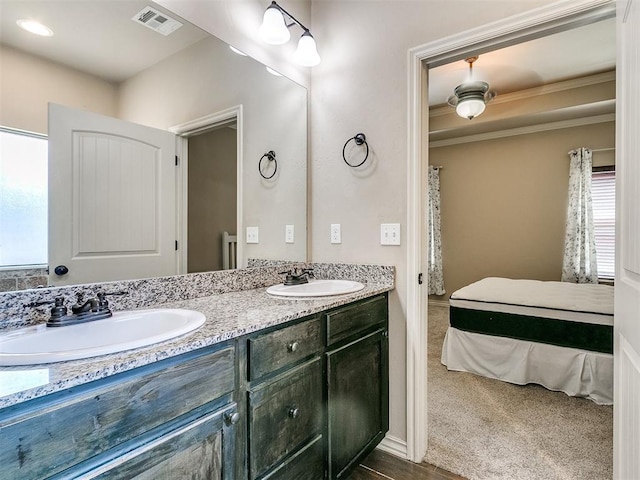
(316, 288)
(123, 331)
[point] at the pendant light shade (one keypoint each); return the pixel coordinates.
(273, 29)
(470, 98)
(307, 54)
(470, 108)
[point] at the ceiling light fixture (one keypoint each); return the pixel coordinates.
(35, 27)
(235, 50)
(470, 98)
(273, 72)
(275, 31)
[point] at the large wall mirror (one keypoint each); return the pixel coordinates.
(226, 110)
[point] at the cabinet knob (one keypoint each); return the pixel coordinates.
(294, 412)
(292, 347)
(232, 418)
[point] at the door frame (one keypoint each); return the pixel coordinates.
(535, 23)
(191, 128)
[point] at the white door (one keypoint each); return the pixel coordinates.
(627, 284)
(112, 212)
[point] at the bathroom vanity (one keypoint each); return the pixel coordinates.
(302, 394)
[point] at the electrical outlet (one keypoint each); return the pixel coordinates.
(252, 234)
(336, 236)
(390, 234)
(288, 234)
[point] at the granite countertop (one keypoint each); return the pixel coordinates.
(229, 315)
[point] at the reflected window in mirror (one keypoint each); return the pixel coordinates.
(23, 199)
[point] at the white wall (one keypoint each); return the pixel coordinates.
(361, 85)
(190, 85)
(28, 83)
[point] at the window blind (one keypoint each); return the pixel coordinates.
(603, 196)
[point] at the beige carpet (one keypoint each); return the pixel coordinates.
(485, 429)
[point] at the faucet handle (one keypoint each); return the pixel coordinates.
(102, 300)
(59, 310)
(58, 301)
(103, 303)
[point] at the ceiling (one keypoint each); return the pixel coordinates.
(579, 52)
(94, 36)
(99, 37)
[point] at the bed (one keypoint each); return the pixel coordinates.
(556, 334)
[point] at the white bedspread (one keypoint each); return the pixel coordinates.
(594, 298)
(578, 373)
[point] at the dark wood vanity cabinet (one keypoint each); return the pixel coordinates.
(301, 401)
(318, 393)
(156, 418)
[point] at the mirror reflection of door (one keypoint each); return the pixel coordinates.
(212, 196)
(112, 199)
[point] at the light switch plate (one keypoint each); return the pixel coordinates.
(336, 235)
(390, 234)
(252, 234)
(288, 234)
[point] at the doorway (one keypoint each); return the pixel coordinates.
(541, 22)
(214, 144)
(212, 196)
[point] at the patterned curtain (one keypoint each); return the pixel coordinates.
(579, 262)
(435, 279)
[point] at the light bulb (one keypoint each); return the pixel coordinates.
(273, 29)
(306, 54)
(35, 27)
(470, 107)
(235, 50)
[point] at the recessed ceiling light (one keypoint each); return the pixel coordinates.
(235, 50)
(273, 72)
(35, 27)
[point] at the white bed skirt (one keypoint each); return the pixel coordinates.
(578, 373)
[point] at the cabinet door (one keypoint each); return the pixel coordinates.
(200, 450)
(358, 400)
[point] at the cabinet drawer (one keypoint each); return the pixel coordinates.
(356, 318)
(52, 436)
(307, 464)
(283, 414)
(269, 352)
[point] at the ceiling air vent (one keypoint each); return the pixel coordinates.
(157, 21)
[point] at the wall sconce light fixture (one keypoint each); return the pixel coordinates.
(275, 31)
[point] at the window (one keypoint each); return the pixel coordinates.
(23, 198)
(603, 196)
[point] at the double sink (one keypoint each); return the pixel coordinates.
(130, 329)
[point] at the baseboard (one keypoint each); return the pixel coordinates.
(394, 446)
(438, 303)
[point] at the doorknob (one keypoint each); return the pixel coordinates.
(61, 270)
